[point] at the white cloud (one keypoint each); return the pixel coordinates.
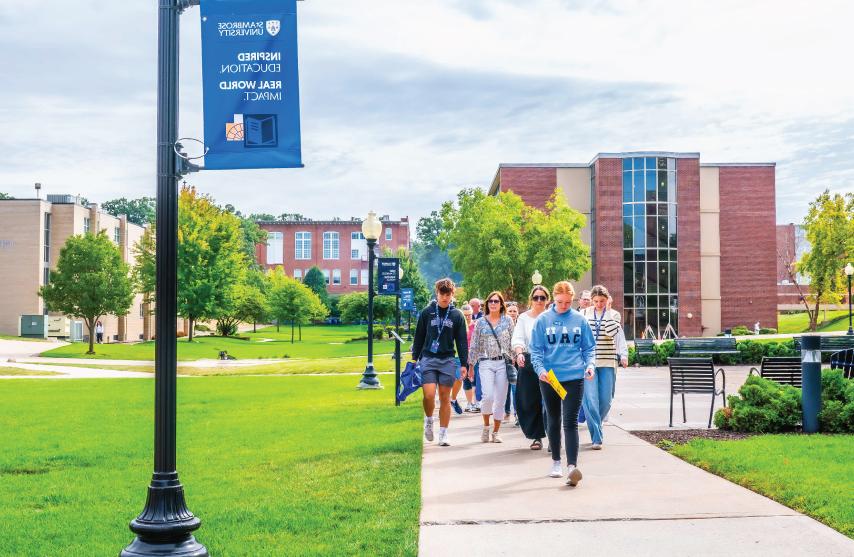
(405, 102)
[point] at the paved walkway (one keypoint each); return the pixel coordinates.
(635, 499)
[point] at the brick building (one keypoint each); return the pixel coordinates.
(677, 242)
(337, 247)
(32, 233)
(791, 246)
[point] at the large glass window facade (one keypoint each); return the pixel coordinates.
(650, 281)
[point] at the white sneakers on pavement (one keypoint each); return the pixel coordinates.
(573, 476)
(484, 435)
(596, 446)
(556, 471)
(496, 438)
(443, 437)
(428, 428)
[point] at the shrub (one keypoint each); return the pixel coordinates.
(767, 331)
(763, 406)
(741, 330)
(202, 328)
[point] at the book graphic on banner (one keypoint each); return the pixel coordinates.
(552, 378)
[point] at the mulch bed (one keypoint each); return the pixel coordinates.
(680, 436)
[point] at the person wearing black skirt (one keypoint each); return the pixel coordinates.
(529, 401)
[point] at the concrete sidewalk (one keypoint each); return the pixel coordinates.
(635, 499)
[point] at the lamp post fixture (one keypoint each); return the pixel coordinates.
(536, 278)
(371, 228)
(849, 270)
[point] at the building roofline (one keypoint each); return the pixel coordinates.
(630, 154)
(543, 165)
(712, 164)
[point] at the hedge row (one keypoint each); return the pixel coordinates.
(763, 406)
(750, 353)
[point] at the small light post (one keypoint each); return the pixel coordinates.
(536, 278)
(371, 228)
(810, 381)
(849, 270)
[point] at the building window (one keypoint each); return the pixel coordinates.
(46, 255)
(330, 245)
(354, 277)
(46, 275)
(388, 234)
(298, 274)
(326, 276)
(142, 311)
(117, 235)
(650, 280)
(87, 225)
(275, 248)
(302, 249)
(364, 276)
(357, 244)
(336, 277)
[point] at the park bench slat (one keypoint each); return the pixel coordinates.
(831, 343)
(694, 376)
(783, 370)
(705, 346)
(844, 360)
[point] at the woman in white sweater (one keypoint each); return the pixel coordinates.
(529, 401)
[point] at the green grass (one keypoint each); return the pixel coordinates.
(812, 474)
(272, 465)
(318, 342)
(4, 370)
(296, 367)
(837, 320)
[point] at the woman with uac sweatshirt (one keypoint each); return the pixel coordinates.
(563, 342)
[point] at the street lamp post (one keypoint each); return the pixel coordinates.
(165, 526)
(849, 270)
(371, 228)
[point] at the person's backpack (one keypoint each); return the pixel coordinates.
(410, 380)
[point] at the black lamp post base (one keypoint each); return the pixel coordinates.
(369, 379)
(186, 548)
(165, 525)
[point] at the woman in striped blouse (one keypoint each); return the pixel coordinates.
(611, 348)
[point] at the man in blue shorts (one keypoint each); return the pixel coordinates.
(440, 327)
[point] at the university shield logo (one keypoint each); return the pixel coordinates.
(273, 27)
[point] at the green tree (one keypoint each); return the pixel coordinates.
(432, 259)
(412, 277)
(497, 242)
(829, 228)
(140, 211)
(252, 234)
(5, 196)
(144, 270)
(211, 260)
(249, 304)
(291, 301)
(90, 281)
(354, 307)
(315, 280)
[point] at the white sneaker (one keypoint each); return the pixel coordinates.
(484, 435)
(573, 476)
(443, 438)
(496, 438)
(428, 429)
(556, 470)
(596, 446)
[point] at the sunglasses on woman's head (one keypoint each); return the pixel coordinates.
(539, 298)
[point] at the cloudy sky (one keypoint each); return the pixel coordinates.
(404, 102)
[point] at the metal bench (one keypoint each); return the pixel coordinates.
(783, 370)
(695, 376)
(844, 360)
(831, 343)
(645, 347)
(705, 346)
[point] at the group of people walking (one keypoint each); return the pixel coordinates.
(494, 352)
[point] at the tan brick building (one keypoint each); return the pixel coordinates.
(676, 242)
(32, 233)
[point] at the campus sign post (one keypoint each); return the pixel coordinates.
(165, 526)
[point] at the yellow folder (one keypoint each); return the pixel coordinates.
(561, 392)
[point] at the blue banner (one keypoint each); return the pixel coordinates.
(251, 84)
(407, 299)
(389, 279)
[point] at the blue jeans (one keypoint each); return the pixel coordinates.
(598, 394)
(511, 396)
(468, 384)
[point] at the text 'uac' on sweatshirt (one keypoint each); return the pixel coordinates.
(562, 342)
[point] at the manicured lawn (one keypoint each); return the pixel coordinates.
(5, 370)
(295, 367)
(318, 342)
(837, 320)
(813, 474)
(272, 466)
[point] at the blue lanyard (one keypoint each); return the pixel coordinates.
(598, 321)
(441, 324)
